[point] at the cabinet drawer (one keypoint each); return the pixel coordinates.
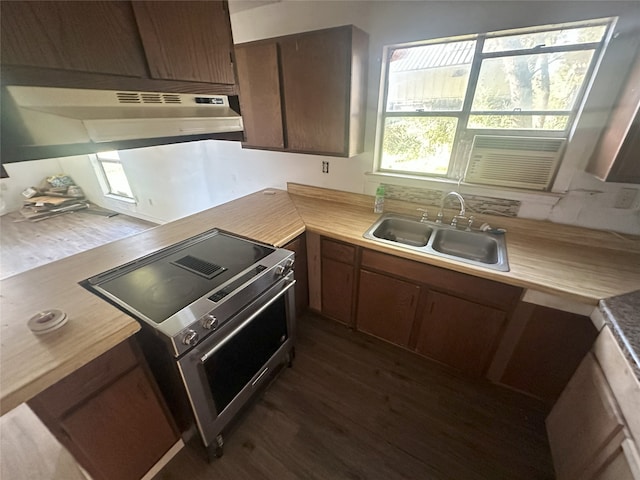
(86, 381)
(486, 292)
(338, 251)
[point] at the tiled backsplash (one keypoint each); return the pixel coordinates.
(474, 203)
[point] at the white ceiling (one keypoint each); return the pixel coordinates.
(236, 6)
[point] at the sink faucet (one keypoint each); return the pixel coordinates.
(454, 220)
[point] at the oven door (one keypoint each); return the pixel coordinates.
(222, 373)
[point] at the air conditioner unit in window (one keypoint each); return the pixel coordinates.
(521, 162)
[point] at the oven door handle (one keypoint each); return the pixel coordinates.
(206, 356)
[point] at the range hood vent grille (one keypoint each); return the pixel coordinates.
(68, 116)
(138, 98)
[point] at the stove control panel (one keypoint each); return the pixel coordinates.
(220, 294)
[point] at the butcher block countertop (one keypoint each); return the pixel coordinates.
(550, 258)
(30, 363)
(577, 264)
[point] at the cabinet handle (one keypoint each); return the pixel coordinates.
(253, 384)
(206, 356)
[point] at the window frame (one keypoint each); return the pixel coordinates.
(103, 178)
(464, 134)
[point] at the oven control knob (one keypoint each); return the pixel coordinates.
(284, 269)
(190, 338)
(209, 321)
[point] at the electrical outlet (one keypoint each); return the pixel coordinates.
(325, 166)
(625, 198)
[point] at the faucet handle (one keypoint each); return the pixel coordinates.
(469, 223)
(425, 214)
(454, 220)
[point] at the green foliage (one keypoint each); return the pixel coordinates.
(409, 139)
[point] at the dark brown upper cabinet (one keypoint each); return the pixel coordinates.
(188, 40)
(305, 92)
(168, 46)
(95, 37)
(617, 155)
(260, 101)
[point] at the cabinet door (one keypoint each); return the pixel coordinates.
(626, 168)
(316, 75)
(583, 424)
(186, 40)
(386, 307)
(337, 290)
(259, 80)
(459, 333)
(548, 352)
(118, 429)
(615, 158)
(86, 36)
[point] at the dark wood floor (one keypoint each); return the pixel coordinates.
(353, 407)
(25, 245)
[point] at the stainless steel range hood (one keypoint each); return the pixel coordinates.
(63, 116)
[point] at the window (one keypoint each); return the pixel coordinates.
(449, 105)
(112, 177)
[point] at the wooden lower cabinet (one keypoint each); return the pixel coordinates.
(109, 415)
(337, 286)
(480, 327)
(548, 352)
(387, 307)
(459, 333)
(338, 280)
(593, 427)
(453, 318)
(582, 423)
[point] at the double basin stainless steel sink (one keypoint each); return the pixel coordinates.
(484, 249)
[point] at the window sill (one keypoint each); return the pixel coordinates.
(120, 198)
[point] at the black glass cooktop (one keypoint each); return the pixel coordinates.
(168, 281)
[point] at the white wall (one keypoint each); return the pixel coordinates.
(168, 182)
(21, 176)
(176, 180)
(581, 199)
